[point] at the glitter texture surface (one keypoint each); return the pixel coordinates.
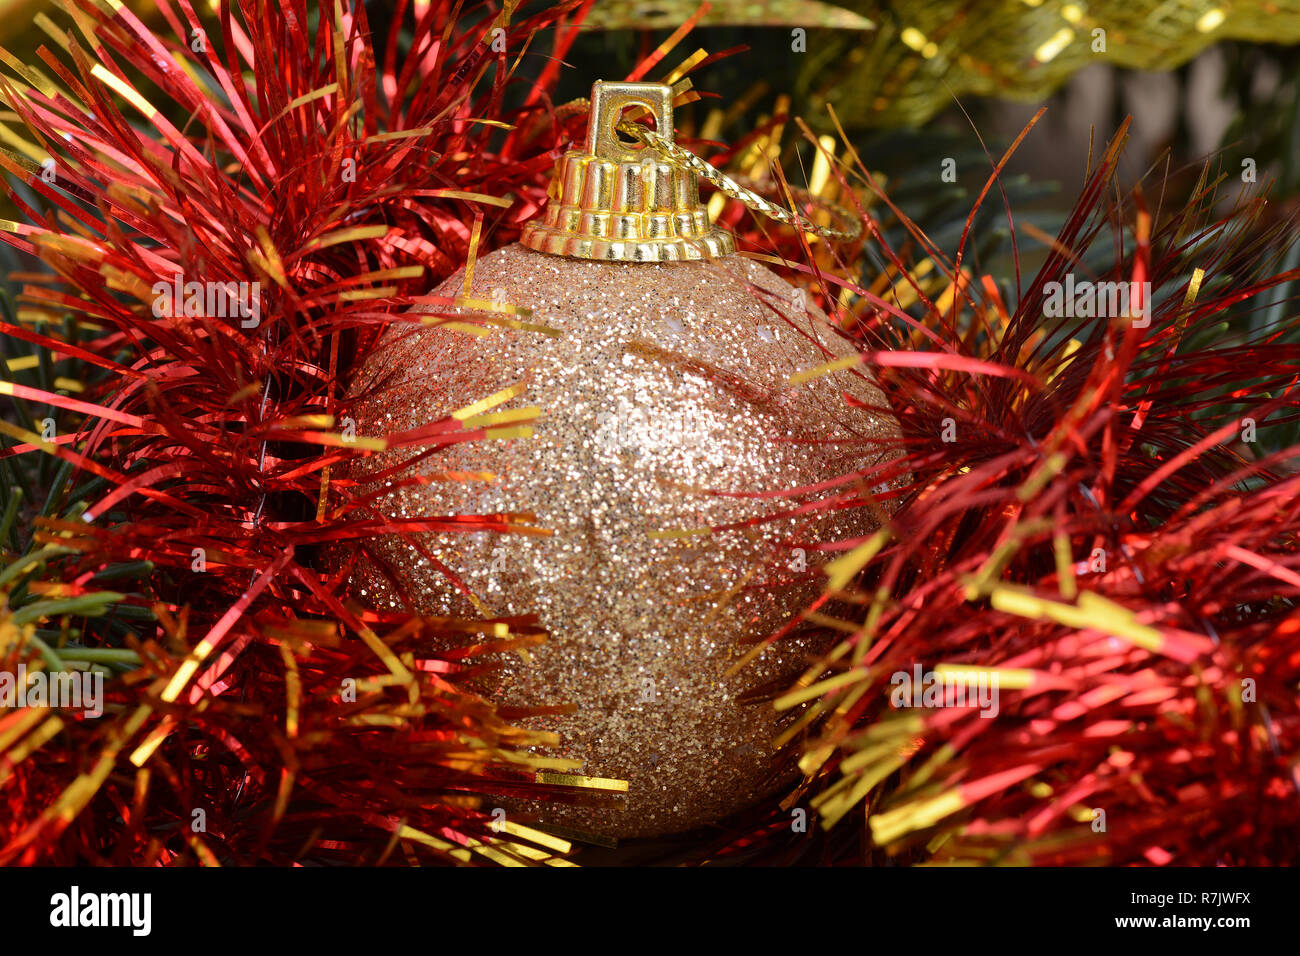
(665, 407)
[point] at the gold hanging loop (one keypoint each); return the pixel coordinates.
(614, 202)
(847, 230)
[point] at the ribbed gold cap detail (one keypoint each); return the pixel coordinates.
(622, 204)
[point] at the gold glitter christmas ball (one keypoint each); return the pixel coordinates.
(672, 462)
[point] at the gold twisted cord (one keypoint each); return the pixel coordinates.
(847, 226)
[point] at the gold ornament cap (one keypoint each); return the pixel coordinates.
(617, 203)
